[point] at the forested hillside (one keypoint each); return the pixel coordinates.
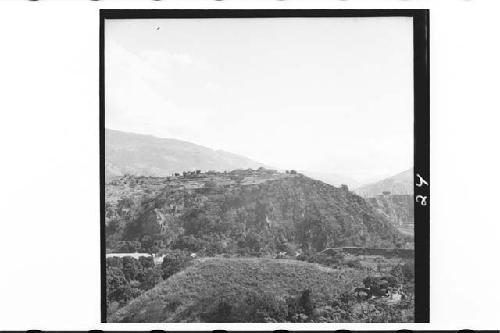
(240, 212)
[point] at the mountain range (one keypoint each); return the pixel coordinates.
(402, 183)
(146, 155)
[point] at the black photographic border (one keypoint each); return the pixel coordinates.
(421, 158)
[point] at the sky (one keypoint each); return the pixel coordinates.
(331, 95)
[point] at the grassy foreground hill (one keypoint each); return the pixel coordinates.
(196, 294)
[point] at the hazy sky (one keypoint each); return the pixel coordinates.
(319, 94)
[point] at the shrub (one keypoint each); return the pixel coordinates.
(332, 259)
(128, 246)
(173, 262)
(132, 293)
(191, 243)
(116, 285)
(152, 276)
(222, 313)
(377, 286)
(263, 308)
(146, 262)
(114, 262)
(305, 302)
(356, 263)
(254, 307)
(405, 272)
(391, 280)
(130, 267)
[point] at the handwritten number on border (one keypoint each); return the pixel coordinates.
(421, 199)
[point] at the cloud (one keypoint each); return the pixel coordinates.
(133, 95)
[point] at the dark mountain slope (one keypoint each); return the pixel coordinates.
(137, 154)
(243, 212)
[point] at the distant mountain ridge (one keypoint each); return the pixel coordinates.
(147, 155)
(402, 183)
(331, 178)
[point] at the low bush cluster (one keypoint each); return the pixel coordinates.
(173, 262)
(333, 259)
(261, 307)
(302, 308)
(404, 272)
(127, 277)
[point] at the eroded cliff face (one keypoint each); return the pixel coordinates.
(398, 209)
(256, 210)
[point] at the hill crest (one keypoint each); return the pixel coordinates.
(192, 293)
(249, 211)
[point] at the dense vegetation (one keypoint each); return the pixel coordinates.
(127, 277)
(235, 223)
(245, 213)
(272, 290)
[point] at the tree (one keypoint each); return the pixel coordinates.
(306, 303)
(152, 276)
(130, 268)
(174, 262)
(129, 246)
(150, 244)
(223, 313)
(116, 285)
(132, 293)
(114, 262)
(146, 262)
